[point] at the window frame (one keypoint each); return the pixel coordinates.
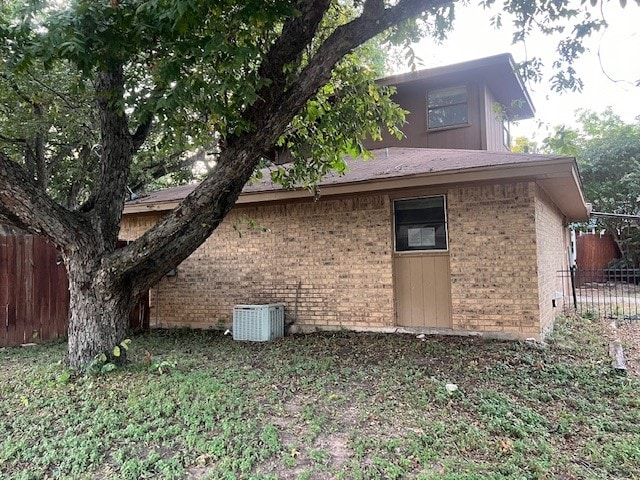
(446, 226)
(434, 91)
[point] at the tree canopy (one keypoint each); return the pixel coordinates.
(189, 81)
(608, 153)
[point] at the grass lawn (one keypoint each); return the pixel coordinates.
(323, 406)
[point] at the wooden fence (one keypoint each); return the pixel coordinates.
(593, 254)
(34, 293)
(595, 251)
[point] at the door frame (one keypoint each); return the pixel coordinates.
(408, 195)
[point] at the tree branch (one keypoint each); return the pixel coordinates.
(39, 149)
(58, 157)
(373, 7)
(115, 159)
(142, 133)
(6, 139)
(62, 97)
(190, 223)
(16, 88)
(160, 168)
(28, 207)
(297, 33)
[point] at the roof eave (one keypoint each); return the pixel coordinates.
(455, 68)
(557, 176)
(521, 109)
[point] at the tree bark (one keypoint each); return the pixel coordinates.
(98, 310)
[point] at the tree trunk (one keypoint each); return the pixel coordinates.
(98, 312)
(103, 283)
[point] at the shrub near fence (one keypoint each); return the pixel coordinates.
(607, 292)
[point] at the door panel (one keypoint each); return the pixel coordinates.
(443, 292)
(423, 291)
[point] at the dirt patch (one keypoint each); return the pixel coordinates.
(194, 473)
(336, 444)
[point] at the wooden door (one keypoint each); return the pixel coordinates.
(421, 262)
(423, 291)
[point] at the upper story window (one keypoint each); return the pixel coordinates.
(420, 224)
(447, 107)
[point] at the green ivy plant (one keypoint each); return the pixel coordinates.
(104, 363)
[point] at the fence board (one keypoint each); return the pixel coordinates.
(34, 292)
(42, 287)
(4, 290)
(29, 294)
(15, 270)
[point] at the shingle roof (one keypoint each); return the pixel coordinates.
(389, 163)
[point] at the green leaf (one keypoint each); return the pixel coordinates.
(116, 351)
(107, 367)
(64, 377)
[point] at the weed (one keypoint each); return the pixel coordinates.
(331, 405)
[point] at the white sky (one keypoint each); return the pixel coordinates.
(473, 37)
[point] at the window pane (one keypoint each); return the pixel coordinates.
(445, 116)
(420, 224)
(448, 96)
(447, 107)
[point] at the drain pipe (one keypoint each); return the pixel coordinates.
(295, 307)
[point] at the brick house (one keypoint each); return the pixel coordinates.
(445, 231)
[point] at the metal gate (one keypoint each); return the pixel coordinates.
(606, 292)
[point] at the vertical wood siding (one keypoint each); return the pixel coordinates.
(413, 98)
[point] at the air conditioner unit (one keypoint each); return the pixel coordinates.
(258, 323)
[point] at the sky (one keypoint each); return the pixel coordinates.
(608, 69)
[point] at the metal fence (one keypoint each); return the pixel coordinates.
(612, 293)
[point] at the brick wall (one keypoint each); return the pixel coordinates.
(132, 226)
(329, 262)
(552, 243)
(492, 243)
